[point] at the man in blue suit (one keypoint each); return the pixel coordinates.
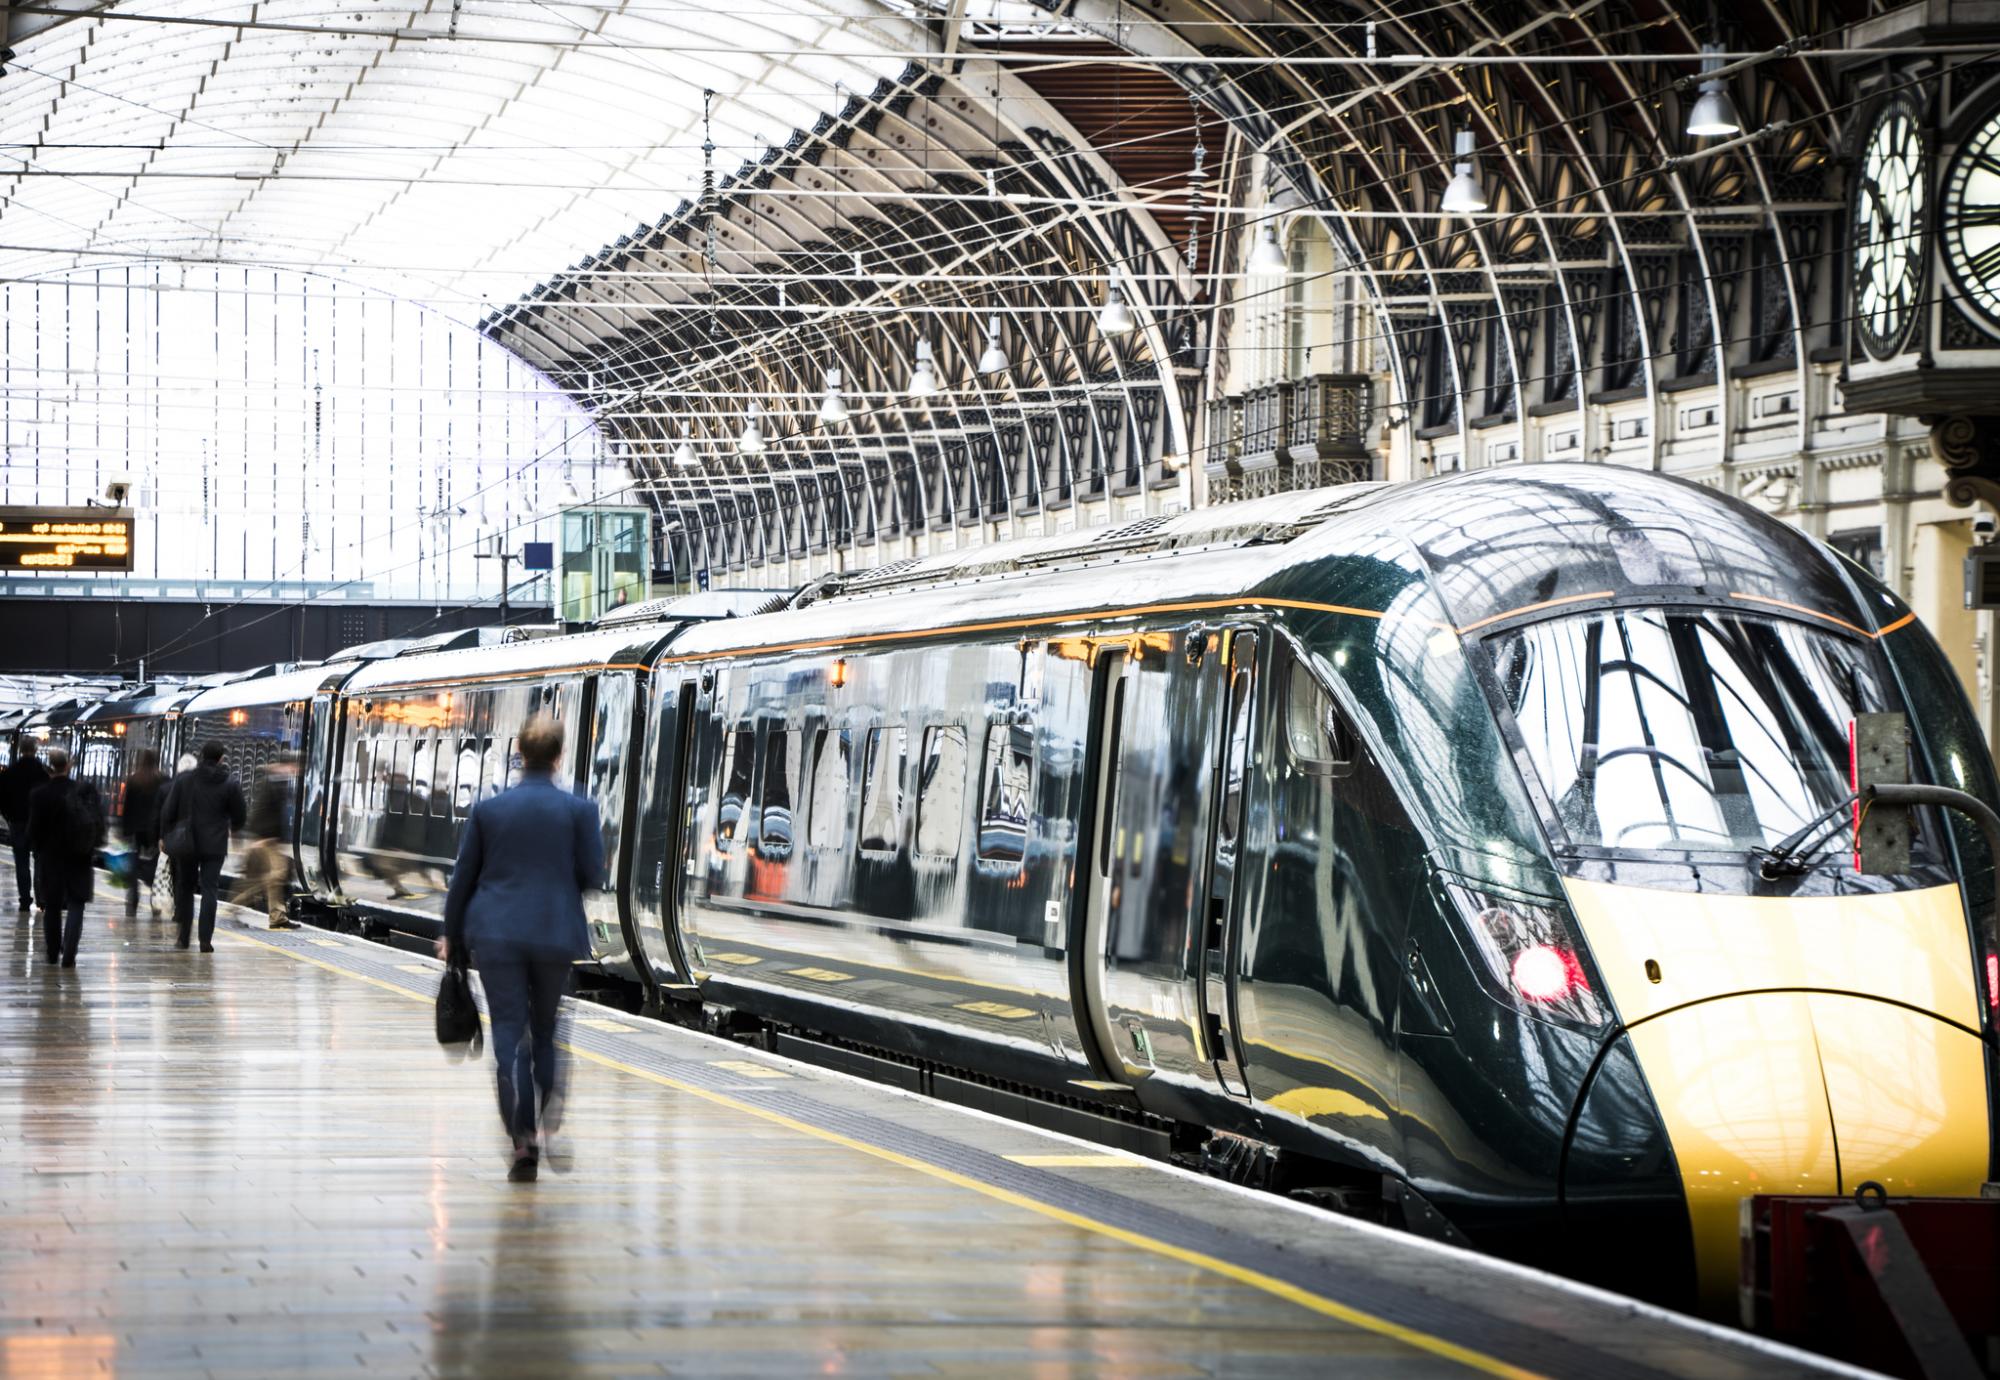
(516, 906)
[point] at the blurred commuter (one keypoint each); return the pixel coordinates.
(22, 779)
(65, 828)
(267, 866)
(202, 807)
(140, 823)
(515, 908)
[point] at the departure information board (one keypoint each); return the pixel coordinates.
(43, 539)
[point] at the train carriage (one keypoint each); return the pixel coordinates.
(1417, 834)
(112, 732)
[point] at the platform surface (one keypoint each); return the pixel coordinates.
(259, 1162)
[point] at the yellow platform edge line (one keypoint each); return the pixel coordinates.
(1255, 1279)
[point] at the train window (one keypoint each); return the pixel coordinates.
(1318, 734)
(513, 763)
(1005, 801)
(1239, 750)
(941, 791)
(443, 763)
(493, 770)
(467, 789)
(774, 804)
(420, 777)
(739, 751)
(399, 778)
(826, 814)
(882, 789)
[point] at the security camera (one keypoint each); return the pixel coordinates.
(117, 490)
(1985, 526)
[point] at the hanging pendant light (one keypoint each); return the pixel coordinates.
(1714, 113)
(684, 455)
(923, 378)
(833, 410)
(993, 360)
(1116, 318)
(751, 442)
(1464, 194)
(1267, 260)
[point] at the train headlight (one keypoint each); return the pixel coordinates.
(1529, 956)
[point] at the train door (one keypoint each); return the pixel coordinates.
(1098, 891)
(1152, 821)
(602, 731)
(319, 770)
(1220, 945)
(667, 811)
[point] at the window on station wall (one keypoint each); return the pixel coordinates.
(1863, 546)
(941, 791)
(882, 789)
(739, 755)
(1310, 323)
(1005, 800)
(826, 811)
(774, 801)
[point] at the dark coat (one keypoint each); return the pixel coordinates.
(210, 797)
(23, 777)
(526, 859)
(141, 817)
(65, 868)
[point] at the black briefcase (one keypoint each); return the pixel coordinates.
(457, 1013)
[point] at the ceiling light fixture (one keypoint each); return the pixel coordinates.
(751, 442)
(1116, 318)
(1463, 195)
(684, 455)
(1714, 113)
(832, 411)
(993, 360)
(923, 378)
(1267, 260)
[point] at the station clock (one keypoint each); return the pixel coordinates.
(1969, 221)
(1890, 206)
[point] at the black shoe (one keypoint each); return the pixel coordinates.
(69, 963)
(523, 1170)
(180, 943)
(206, 948)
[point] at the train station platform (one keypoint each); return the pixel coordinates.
(259, 1162)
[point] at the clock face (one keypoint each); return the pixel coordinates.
(1970, 216)
(1889, 206)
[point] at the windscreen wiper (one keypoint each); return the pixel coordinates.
(1792, 855)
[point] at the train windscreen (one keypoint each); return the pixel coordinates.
(1685, 729)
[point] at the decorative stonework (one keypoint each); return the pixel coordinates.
(1969, 449)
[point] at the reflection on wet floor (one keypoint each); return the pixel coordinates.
(243, 1164)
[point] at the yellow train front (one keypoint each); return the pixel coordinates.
(1617, 706)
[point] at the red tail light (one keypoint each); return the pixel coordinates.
(1993, 981)
(1531, 957)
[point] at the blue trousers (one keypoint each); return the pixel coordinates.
(524, 992)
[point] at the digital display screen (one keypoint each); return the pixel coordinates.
(43, 539)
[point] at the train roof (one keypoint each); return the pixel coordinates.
(583, 652)
(270, 687)
(1529, 540)
(1495, 543)
(145, 701)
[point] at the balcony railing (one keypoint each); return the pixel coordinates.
(1301, 434)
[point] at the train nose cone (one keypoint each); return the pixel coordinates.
(1815, 1093)
(1797, 1046)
